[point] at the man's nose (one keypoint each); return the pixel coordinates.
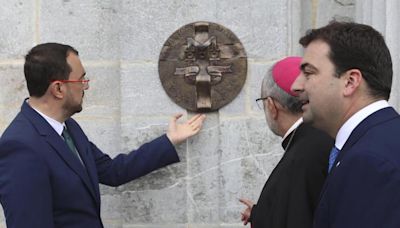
(298, 84)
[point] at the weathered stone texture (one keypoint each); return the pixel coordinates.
(119, 43)
(17, 26)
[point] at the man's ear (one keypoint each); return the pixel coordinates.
(353, 79)
(57, 89)
(272, 107)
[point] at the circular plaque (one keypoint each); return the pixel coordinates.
(202, 66)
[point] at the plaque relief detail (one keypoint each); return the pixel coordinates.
(202, 66)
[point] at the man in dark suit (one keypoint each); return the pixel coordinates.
(291, 193)
(344, 86)
(49, 170)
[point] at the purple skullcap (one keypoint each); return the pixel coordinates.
(285, 72)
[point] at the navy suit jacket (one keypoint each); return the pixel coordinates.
(44, 185)
(363, 188)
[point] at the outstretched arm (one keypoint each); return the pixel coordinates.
(148, 157)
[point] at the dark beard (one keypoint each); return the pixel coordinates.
(71, 109)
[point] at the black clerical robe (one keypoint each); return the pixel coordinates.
(291, 194)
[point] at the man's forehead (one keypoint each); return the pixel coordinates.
(74, 61)
(76, 65)
(317, 47)
(315, 53)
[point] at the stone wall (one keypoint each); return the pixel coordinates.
(119, 43)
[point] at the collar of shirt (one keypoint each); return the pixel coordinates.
(57, 126)
(294, 126)
(348, 127)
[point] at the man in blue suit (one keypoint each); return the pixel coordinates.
(344, 86)
(49, 170)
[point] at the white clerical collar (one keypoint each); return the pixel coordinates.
(294, 126)
(57, 126)
(348, 127)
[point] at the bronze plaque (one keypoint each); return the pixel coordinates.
(202, 66)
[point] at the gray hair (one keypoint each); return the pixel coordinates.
(271, 89)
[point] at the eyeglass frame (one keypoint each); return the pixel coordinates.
(262, 99)
(83, 81)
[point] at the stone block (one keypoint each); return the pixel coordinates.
(12, 93)
(163, 206)
(136, 132)
(104, 133)
(238, 106)
(246, 137)
(243, 171)
(92, 27)
(241, 178)
(112, 224)
(235, 16)
(234, 142)
(261, 139)
(103, 98)
(384, 16)
(335, 9)
(148, 24)
(169, 225)
(299, 22)
(2, 218)
(268, 22)
(203, 201)
(18, 28)
(142, 92)
(158, 179)
(257, 72)
(191, 225)
(203, 149)
(108, 190)
(111, 207)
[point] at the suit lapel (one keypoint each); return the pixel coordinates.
(372, 120)
(58, 144)
(72, 161)
(82, 146)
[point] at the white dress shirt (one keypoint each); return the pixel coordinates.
(348, 127)
(57, 126)
(294, 126)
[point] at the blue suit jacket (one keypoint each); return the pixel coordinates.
(363, 188)
(43, 184)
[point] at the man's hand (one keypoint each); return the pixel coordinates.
(178, 133)
(246, 213)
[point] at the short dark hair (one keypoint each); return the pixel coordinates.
(357, 46)
(45, 63)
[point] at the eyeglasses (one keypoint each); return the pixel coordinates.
(84, 81)
(259, 102)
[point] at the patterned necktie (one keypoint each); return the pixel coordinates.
(332, 157)
(70, 143)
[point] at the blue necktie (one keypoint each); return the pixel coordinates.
(332, 157)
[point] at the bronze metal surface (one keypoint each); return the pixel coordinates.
(202, 66)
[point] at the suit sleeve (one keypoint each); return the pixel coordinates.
(125, 167)
(365, 193)
(25, 190)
